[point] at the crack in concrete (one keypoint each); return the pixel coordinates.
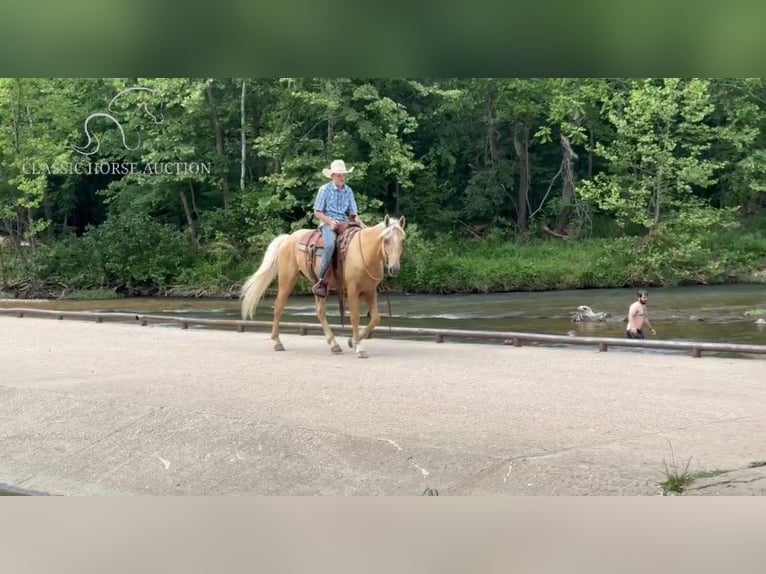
(85, 448)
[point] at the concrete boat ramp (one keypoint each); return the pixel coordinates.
(119, 409)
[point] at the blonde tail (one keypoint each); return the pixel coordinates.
(256, 284)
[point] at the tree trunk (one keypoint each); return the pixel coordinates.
(568, 185)
(242, 128)
(391, 203)
(48, 212)
(492, 153)
(190, 221)
(195, 211)
(218, 143)
(658, 187)
(2, 265)
(521, 145)
(30, 225)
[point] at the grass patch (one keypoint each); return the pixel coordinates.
(492, 266)
(676, 480)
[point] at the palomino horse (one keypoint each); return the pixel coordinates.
(362, 273)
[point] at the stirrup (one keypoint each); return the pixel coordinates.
(320, 288)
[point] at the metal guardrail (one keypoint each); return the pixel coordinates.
(508, 337)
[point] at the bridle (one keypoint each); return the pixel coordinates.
(391, 229)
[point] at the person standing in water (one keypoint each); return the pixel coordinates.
(638, 317)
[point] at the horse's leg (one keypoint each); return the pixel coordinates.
(353, 311)
(371, 299)
(288, 275)
(321, 306)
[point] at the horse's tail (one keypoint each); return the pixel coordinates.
(256, 284)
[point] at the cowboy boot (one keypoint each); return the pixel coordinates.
(320, 288)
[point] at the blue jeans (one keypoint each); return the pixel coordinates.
(328, 235)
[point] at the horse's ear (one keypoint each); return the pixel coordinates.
(385, 220)
(401, 222)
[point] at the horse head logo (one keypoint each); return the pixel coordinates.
(93, 144)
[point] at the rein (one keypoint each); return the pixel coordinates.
(364, 263)
(371, 276)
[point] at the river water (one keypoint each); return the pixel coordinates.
(698, 313)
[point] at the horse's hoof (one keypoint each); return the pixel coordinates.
(350, 342)
(362, 355)
(279, 347)
(336, 349)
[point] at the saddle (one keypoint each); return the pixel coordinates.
(313, 247)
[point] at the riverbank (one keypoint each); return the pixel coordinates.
(493, 264)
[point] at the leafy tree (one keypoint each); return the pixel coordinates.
(659, 153)
(489, 159)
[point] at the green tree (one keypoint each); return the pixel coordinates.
(659, 153)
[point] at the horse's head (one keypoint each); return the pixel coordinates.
(393, 242)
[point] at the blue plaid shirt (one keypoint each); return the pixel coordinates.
(336, 203)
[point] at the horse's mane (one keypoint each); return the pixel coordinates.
(387, 229)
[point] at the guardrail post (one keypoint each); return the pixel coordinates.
(60, 317)
(99, 319)
(696, 353)
(439, 338)
(184, 325)
(303, 331)
(240, 328)
(602, 347)
(144, 322)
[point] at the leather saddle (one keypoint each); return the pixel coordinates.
(313, 246)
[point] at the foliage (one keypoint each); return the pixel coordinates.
(658, 153)
(646, 179)
(493, 265)
(666, 257)
(129, 253)
(684, 249)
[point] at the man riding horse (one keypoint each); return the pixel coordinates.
(334, 204)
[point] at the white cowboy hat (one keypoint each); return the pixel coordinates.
(337, 166)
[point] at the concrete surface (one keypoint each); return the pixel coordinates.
(111, 409)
